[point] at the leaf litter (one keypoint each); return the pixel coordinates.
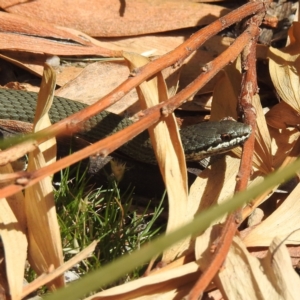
(264, 277)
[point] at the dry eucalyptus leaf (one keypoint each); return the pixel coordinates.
(35, 65)
(227, 90)
(42, 280)
(161, 43)
(41, 118)
(45, 249)
(216, 184)
(282, 115)
(118, 18)
(15, 248)
(169, 153)
(33, 35)
(97, 80)
(100, 78)
(280, 223)
(245, 277)
(171, 284)
(66, 73)
(262, 158)
(283, 141)
(224, 98)
(285, 68)
(158, 43)
(13, 237)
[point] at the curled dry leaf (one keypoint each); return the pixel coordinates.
(225, 96)
(271, 278)
(285, 69)
(215, 184)
(34, 285)
(13, 237)
(226, 92)
(171, 284)
(45, 249)
(283, 143)
(281, 116)
(41, 118)
(280, 223)
(262, 158)
(169, 153)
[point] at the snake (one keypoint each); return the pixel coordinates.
(199, 141)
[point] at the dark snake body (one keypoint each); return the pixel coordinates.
(199, 141)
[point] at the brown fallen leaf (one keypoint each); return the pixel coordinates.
(161, 43)
(215, 185)
(246, 277)
(34, 35)
(14, 241)
(111, 18)
(169, 154)
(95, 81)
(284, 69)
(281, 223)
(171, 284)
(282, 115)
(35, 64)
(100, 78)
(45, 247)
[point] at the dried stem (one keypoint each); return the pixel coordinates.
(176, 56)
(249, 89)
(150, 116)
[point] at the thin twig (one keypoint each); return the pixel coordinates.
(150, 116)
(176, 56)
(249, 89)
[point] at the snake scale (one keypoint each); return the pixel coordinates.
(199, 141)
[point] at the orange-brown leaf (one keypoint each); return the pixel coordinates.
(34, 35)
(109, 18)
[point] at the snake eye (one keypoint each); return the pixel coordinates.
(226, 137)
